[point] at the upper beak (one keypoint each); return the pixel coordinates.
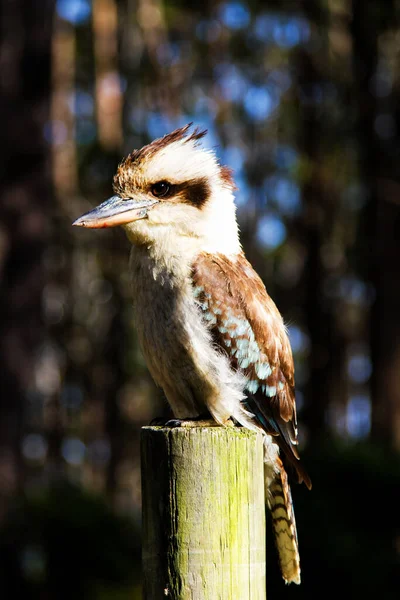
(115, 211)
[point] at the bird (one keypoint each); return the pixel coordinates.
(212, 337)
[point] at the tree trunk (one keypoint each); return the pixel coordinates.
(380, 222)
(25, 196)
(203, 513)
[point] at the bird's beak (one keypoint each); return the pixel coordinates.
(115, 211)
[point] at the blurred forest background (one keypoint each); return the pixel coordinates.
(302, 100)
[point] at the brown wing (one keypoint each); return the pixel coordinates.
(247, 325)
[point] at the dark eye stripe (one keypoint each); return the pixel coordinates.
(195, 191)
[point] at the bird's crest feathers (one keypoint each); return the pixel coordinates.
(182, 135)
(177, 157)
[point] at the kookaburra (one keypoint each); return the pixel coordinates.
(212, 337)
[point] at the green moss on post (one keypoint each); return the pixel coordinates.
(203, 514)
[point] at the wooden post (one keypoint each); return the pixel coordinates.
(203, 514)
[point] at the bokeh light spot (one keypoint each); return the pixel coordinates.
(73, 451)
(359, 368)
(271, 231)
(358, 416)
(299, 340)
(259, 103)
(74, 11)
(234, 15)
(34, 447)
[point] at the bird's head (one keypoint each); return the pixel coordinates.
(171, 187)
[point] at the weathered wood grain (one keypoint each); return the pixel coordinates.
(203, 514)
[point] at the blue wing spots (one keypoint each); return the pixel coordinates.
(252, 386)
(243, 328)
(270, 390)
(197, 291)
(203, 306)
(254, 351)
(240, 326)
(239, 337)
(263, 370)
(243, 362)
(241, 353)
(229, 323)
(248, 351)
(210, 317)
(243, 344)
(253, 357)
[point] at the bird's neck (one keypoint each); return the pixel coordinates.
(169, 261)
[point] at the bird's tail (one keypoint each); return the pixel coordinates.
(279, 501)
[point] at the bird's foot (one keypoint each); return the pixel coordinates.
(204, 420)
(159, 421)
(196, 422)
(199, 421)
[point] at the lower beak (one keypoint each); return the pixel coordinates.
(115, 211)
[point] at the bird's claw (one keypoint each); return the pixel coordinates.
(167, 422)
(174, 423)
(159, 421)
(198, 421)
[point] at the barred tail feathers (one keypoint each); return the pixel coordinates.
(279, 500)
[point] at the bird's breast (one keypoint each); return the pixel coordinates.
(171, 334)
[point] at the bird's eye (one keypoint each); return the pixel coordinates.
(160, 189)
